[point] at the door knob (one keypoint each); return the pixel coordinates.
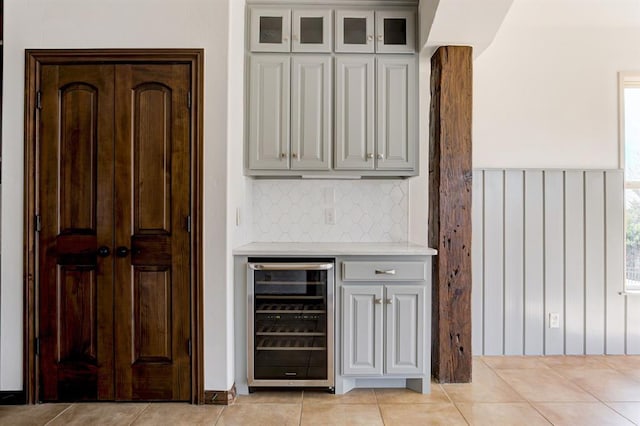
(122, 251)
(103, 251)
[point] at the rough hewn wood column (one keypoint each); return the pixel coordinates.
(450, 212)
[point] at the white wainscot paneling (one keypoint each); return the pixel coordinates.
(550, 242)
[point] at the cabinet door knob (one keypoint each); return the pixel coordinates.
(369, 37)
(389, 301)
(380, 157)
(294, 155)
(369, 156)
(294, 37)
(283, 155)
(380, 37)
(285, 38)
(378, 301)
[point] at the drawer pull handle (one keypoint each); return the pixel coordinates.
(290, 374)
(385, 272)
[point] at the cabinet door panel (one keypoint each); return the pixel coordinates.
(311, 113)
(269, 112)
(361, 330)
(311, 31)
(355, 102)
(397, 112)
(354, 31)
(270, 30)
(395, 32)
(405, 329)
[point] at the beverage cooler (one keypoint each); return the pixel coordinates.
(290, 324)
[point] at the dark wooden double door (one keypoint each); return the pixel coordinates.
(113, 176)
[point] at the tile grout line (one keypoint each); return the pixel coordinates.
(140, 413)
(59, 414)
(454, 404)
(616, 411)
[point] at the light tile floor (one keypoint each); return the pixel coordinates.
(559, 390)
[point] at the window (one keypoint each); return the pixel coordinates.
(630, 136)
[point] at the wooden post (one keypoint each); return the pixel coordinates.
(450, 212)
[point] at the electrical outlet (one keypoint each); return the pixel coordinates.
(554, 320)
(330, 216)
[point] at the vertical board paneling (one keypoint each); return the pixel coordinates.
(554, 259)
(614, 226)
(533, 260)
(494, 264)
(477, 260)
(514, 262)
(574, 262)
(633, 325)
(550, 241)
(595, 263)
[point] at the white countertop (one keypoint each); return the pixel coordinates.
(333, 249)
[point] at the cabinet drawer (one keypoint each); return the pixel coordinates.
(383, 271)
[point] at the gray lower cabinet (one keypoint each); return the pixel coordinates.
(383, 329)
(382, 322)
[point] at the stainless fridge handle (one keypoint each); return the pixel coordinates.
(291, 266)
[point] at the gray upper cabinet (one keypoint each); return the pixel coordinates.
(331, 89)
(270, 30)
(395, 31)
(311, 112)
(380, 31)
(286, 30)
(355, 100)
(397, 112)
(354, 31)
(312, 30)
(269, 112)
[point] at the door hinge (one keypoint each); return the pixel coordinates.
(189, 346)
(189, 100)
(37, 345)
(38, 223)
(188, 223)
(39, 99)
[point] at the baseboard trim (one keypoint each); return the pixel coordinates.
(220, 397)
(13, 397)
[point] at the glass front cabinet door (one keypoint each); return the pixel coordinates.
(311, 31)
(390, 32)
(395, 32)
(270, 30)
(354, 31)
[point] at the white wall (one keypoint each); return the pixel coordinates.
(545, 91)
(239, 189)
(118, 24)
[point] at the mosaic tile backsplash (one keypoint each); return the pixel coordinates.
(304, 210)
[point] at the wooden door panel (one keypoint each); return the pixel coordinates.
(78, 141)
(152, 315)
(77, 316)
(152, 158)
(152, 182)
(75, 193)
